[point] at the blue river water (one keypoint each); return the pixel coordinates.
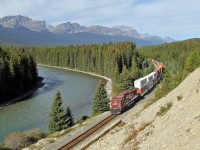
(77, 91)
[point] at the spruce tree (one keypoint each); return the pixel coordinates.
(70, 119)
(134, 69)
(58, 116)
(192, 61)
(100, 101)
(126, 80)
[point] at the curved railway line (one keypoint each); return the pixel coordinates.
(86, 134)
(143, 85)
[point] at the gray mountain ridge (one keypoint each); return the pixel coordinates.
(21, 30)
(68, 27)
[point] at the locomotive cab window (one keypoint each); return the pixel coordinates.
(117, 98)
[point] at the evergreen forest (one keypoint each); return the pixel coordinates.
(18, 72)
(119, 61)
(179, 58)
(123, 63)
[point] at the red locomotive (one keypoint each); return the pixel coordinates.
(123, 100)
(141, 87)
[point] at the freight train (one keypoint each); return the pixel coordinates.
(141, 86)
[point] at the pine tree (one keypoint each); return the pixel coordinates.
(134, 69)
(70, 119)
(126, 80)
(58, 116)
(100, 101)
(192, 61)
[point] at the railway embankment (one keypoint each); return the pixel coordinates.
(173, 122)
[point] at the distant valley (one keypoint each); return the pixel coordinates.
(21, 30)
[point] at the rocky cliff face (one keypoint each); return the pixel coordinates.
(18, 21)
(68, 27)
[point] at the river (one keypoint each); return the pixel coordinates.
(77, 91)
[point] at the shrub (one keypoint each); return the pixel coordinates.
(143, 126)
(134, 134)
(121, 124)
(131, 136)
(34, 135)
(2, 147)
(16, 140)
(164, 109)
(179, 97)
(84, 117)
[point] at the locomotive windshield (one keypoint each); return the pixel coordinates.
(117, 98)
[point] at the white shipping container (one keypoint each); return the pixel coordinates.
(140, 83)
(150, 77)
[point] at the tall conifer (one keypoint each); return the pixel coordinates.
(58, 116)
(100, 101)
(70, 119)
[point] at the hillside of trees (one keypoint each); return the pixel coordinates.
(118, 61)
(18, 72)
(179, 58)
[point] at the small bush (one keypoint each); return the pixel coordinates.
(134, 134)
(143, 126)
(131, 136)
(121, 124)
(84, 117)
(2, 147)
(18, 140)
(34, 135)
(164, 109)
(179, 97)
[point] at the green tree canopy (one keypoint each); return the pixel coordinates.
(192, 61)
(58, 116)
(70, 119)
(18, 72)
(100, 101)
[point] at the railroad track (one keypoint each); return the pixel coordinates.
(87, 133)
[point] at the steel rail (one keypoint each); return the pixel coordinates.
(87, 133)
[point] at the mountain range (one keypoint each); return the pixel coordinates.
(26, 31)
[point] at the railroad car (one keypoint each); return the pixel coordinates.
(150, 80)
(123, 100)
(141, 87)
(158, 72)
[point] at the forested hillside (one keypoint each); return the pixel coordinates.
(18, 72)
(118, 61)
(180, 58)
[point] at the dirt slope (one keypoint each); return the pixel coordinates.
(178, 129)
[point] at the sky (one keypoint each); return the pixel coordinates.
(178, 19)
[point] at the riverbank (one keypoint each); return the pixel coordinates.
(108, 85)
(26, 94)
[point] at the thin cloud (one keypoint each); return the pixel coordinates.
(175, 18)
